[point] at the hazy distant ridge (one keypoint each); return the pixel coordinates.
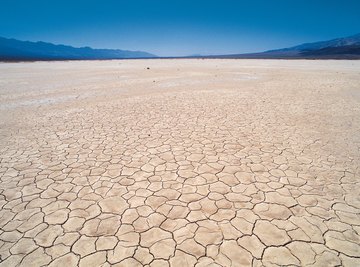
(11, 49)
(340, 48)
(338, 42)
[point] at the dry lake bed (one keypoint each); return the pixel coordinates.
(181, 162)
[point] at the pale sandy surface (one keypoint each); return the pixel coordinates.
(190, 162)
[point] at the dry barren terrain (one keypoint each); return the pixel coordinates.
(180, 163)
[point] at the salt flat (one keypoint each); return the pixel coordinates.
(180, 162)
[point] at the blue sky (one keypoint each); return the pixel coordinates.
(176, 28)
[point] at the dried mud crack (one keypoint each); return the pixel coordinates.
(218, 163)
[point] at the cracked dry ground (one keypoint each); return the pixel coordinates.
(187, 163)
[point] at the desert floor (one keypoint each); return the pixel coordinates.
(180, 162)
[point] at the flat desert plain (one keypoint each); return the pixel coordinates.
(180, 162)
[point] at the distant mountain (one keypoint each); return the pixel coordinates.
(346, 51)
(11, 49)
(340, 48)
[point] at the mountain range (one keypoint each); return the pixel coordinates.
(15, 50)
(340, 48)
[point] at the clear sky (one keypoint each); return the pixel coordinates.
(180, 27)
